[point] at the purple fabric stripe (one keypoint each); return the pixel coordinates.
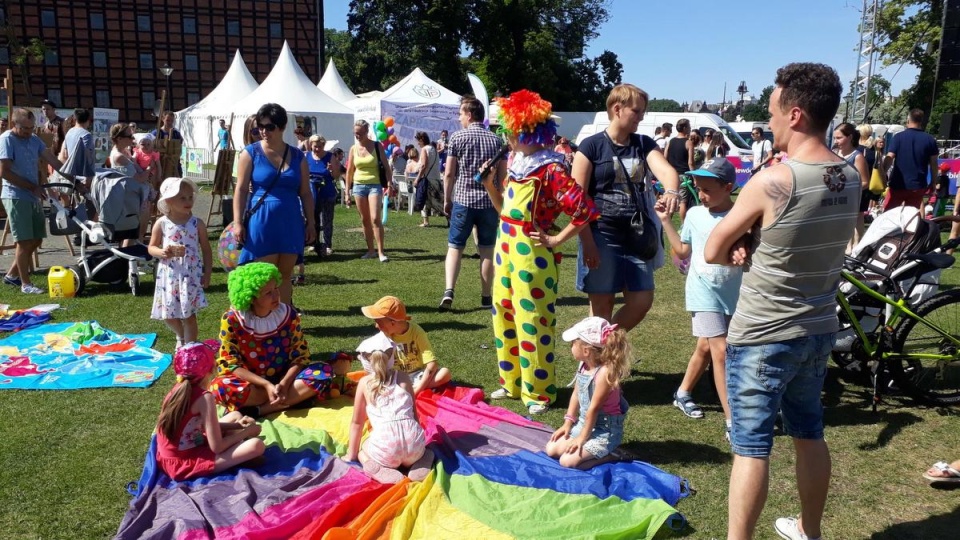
(183, 507)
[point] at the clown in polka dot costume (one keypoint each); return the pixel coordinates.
(264, 363)
(537, 190)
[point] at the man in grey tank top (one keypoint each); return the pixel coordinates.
(789, 228)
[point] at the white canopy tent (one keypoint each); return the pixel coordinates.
(416, 103)
(199, 122)
(332, 85)
(288, 86)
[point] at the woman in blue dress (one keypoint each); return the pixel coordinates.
(273, 186)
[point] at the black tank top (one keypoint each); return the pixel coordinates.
(677, 155)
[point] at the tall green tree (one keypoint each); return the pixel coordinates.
(388, 39)
(909, 32)
(664, 105)
(509, 44)
(759, 111)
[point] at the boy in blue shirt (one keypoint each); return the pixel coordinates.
(712, 290)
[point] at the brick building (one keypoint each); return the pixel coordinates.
(109, 53)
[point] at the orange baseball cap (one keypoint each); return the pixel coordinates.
(388, 307)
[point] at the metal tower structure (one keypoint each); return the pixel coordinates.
(866, 59)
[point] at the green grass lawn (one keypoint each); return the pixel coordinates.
(65, 457)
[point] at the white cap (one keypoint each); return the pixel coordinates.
(169, 188)
(592, 331)
(378, 342)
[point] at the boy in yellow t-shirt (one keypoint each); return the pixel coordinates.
(414, 354)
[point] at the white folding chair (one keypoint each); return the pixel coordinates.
(404, 191)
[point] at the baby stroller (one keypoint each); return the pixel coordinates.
(899, 242)
(117, 199)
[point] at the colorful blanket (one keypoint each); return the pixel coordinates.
(70, 356)
(491, 480)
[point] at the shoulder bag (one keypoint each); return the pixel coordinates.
(250, 211)
(641, 233)
(380, 173)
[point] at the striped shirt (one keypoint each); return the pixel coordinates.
(472, 146)
(790, 288)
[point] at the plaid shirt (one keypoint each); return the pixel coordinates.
(472, 146)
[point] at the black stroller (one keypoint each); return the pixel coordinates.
(117, 199)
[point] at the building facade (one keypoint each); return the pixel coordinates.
(109, 53)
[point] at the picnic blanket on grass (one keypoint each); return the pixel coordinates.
(70, 356)
(491, 480)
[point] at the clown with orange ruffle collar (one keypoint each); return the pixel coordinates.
(537, 190)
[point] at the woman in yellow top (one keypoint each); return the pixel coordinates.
(363, 179)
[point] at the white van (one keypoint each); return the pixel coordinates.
(744, 129)
(739, 148)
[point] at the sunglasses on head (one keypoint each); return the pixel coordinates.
(267, 127)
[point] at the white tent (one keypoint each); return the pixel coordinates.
(332, 84)
(416, 103)
(199, 122)
(288, 86)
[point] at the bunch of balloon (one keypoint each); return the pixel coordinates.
(384, 132)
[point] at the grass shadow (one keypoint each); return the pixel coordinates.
(936, 526)
(651, 388)
(451, 325)
(330, 279)
(853, 414)
(677, 451)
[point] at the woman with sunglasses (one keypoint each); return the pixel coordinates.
(122, 161)
(367, 162)
(273, 188)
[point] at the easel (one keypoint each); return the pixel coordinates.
(223, 176)
(168, 148)
(8, 86)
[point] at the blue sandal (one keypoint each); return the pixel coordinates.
(688, 407)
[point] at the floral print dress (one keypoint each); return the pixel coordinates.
(178, 292)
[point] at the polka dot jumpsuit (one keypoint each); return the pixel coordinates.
(525, 284)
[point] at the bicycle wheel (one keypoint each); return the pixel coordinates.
(929, 366)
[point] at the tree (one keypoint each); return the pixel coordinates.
(512, 44)
(22, 53)
(948, 101)
(664, 105)
(909, 32)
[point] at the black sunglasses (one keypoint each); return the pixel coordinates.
(267, 127)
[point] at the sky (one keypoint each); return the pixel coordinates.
(688, 50)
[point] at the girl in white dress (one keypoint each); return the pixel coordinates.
(179, 240)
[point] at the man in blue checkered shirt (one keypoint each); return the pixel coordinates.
(465, 201)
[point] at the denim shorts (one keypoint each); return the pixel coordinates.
(762, 380)
(618, 270)
(462, 221)
(606, 437)
(365, 190)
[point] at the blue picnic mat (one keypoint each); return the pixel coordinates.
(74, 355)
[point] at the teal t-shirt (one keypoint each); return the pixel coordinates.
(710, 287)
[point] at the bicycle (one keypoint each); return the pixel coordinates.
(917, 348)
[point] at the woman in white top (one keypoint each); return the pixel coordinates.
(846, 138)
(429, 172)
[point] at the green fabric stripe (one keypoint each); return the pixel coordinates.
(293, 439)
(539, 513)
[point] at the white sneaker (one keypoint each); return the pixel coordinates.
(537, 408)
(500, 394)
(789, 528)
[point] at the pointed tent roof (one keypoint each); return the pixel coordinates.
(332, 84)
(418, 88)
(288, 86)
(236, 84)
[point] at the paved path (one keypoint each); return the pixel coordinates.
(54, 251)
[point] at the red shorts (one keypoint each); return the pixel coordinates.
(898, 197)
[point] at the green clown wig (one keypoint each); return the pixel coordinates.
(245, 282)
